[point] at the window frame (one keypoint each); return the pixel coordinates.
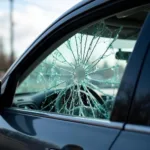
(67, 27)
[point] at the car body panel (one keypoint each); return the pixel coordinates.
(56, 132)
(129, 140)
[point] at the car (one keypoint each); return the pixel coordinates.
(83, 84)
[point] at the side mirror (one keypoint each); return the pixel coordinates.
(121, 55)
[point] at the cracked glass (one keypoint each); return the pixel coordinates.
(82, 76)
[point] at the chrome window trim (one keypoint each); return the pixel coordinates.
(89, 121)
(137, 128)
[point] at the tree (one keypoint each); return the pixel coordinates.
(4, 63)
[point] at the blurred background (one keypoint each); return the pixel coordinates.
(22, 21)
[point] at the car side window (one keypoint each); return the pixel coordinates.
(81, 77)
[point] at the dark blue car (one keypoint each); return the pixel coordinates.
(84, 84)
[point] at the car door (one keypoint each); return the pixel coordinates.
(88, 117)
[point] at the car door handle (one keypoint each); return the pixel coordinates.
(68, 147)
(72, 147)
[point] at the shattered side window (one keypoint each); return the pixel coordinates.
(82, 76)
